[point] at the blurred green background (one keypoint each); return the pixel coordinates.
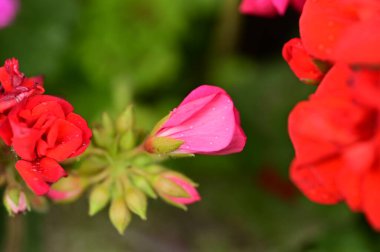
(103, 54)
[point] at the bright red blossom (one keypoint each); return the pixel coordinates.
(44, 131)
(342, 30)
(336, 140)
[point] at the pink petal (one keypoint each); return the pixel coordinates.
(263, 8)
(238, 140)
(194, 195)
(280, 5)
(209, 130)
(8, 11)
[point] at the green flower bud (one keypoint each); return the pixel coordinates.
(168, 187)
(67, 189)
(119, 214)
(99, 197)
(38, 203)
(107, 124)
(102, 139)
(127, 140)
(136, 201)
(141, 183)
(125, 121)
(15, 201)
(91, 165)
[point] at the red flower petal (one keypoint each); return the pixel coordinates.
(32, 178)
(50, 170)
(63, 139)
(317, 180)
(301, 63)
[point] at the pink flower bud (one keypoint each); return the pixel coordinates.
(67, 189)
(206, 122)
(15, 201)
(8, 10)
(193, 195)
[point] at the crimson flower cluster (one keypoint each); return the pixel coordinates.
(335, 132)
(41, 129)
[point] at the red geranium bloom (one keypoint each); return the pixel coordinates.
(14, 88)
(45, 131)
(336, 140)
(342, 30)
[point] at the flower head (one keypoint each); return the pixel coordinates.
(44, 131)
(206, 122)
(336, 139)
(342, 30)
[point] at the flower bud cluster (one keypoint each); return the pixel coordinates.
(122, 167)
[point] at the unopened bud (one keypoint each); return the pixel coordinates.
(99, 197)
(102, 139)
(67, 189)
(108, 125)
(137, 202)
(125, 121)
(119, 214)
(39, 203)
(91, 165)
(187, 186)
(127, 140)
(15, 201)
(166, 186)
(141, 183)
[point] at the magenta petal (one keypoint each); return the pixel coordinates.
(202, 91)
(185, 111)
(8, 10)
(193, 193)
(238, 140)
(280, 5)
(263, 8)
(209, 130)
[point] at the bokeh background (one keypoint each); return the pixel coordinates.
(104, 54)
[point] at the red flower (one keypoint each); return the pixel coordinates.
(336, 140)
(302, 64)
(342, 30)
(15, 87)
(44, 131)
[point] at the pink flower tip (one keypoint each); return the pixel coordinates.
(8, 11)
(187, 187)
(206, 122)
(20, 206)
